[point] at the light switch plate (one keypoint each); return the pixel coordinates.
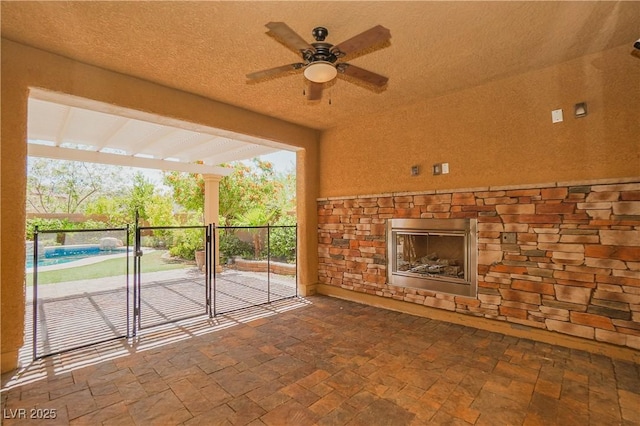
(556, 116)
(445, 168)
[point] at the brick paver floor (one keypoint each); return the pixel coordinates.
(325, 361)
(74, 314)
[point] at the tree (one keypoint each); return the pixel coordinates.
(246, 187)
(113, 208)
(140, 196)
(159, 210)
(249, 186)
(155, 208)
(188, 190)
(286, 198)
(257, 216)
(61, 186)
(253, 194)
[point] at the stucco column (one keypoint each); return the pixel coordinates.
(212, 210)
(13, 183)
(307, 215)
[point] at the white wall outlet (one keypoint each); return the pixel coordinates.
(445, 168)
(556, 116)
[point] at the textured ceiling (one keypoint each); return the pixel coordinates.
(208, 47)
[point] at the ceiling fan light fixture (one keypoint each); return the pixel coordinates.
(320, 72)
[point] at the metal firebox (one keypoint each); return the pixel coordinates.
(433, 254)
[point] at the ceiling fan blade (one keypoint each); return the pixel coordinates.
(362, 74)
(274, 72)
(287, 36)
(314, 91)
(371, 37)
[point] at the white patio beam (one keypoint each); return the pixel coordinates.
(122, 123)
(62, 130)
(59, 153)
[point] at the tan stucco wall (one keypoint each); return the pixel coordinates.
(497, 134)
(24, 67)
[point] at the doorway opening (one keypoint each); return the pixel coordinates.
(69, 128)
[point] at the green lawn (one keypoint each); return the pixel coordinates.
(151, 262)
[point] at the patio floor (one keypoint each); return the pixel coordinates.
(325, 361)
(77, 313)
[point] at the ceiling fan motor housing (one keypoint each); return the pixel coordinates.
(322, 53)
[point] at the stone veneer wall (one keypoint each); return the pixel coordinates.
(574, 269)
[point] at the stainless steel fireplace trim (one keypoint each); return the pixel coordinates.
(466, 227)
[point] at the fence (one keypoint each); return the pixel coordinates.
(81, 278)
(268, 257)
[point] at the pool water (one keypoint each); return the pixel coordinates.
(65, 254)
(43, 261)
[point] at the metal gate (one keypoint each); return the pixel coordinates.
(163, 294)
(70, 309)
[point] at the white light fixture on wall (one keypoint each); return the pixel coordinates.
(580, 109)
(320, 72)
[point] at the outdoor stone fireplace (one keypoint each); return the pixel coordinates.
(433, 254)
(561, 257)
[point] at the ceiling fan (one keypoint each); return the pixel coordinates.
(321, 60)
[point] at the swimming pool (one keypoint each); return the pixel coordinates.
(57, 255)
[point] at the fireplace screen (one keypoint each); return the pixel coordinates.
(436, 254)
(431, 254)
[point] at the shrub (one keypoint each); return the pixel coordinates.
(231, 246)
(283, 244)
(186, 243)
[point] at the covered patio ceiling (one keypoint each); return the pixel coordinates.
(68, 128)
(207, 47)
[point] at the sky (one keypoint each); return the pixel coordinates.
(282, 160)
